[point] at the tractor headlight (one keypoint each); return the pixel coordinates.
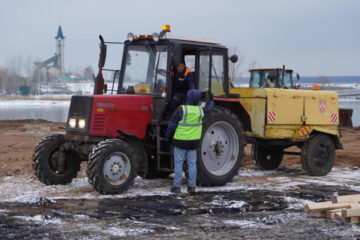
(72, 122)
(82, 123)
(155, 37)
(130, 37)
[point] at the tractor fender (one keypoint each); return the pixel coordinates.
(305, 132)
(141, 159)
(235, 106)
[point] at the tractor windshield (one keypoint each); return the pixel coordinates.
(143, 64)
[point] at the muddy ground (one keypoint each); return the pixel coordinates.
(256, 205)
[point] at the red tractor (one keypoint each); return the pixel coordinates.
(120, 132)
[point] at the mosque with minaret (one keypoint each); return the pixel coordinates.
(52, 68)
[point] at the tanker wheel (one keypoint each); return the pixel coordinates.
(318, 155)
(222, 148)
(111, 166)
(266, 158)
(53, 166)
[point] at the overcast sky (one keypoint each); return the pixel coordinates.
(314, 37)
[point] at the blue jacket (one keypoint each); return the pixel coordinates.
(192, 98)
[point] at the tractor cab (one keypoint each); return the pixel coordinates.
(148, 62)
(271, 78)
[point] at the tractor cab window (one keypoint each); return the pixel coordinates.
(265, 81)
(204, 72)
(190, 62)
(141, 69)
(217, 74)
(211, 76)
(287, 79)
(255, 79)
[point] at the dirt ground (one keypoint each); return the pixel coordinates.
(20, 137)
(256, 205)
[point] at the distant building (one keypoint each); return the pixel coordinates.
(52, 68)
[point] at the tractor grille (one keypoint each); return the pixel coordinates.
(99, 122)
(80, 108)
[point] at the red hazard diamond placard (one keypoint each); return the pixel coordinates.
(322, 106)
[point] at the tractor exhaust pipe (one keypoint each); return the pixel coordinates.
(99, 80)
(282, 77)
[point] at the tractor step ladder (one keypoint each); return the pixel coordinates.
(160, 141)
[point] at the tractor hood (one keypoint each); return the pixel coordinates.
(129, 113)
(106, 115)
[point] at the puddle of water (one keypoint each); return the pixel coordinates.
(55, 111)
(355, 105)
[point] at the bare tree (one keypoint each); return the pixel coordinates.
(28, 67)
(235, 69)
(88, 72)
(238, 70)
(253, 64)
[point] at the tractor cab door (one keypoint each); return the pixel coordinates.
(211, 73)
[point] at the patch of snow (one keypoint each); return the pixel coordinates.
(241, 223)
(40, 219)
(321, 182)
(254, 173)
(118, 231)
(281, 179)
(295, 203)
(227, 203)
(344, 174)
(81, 216)
(288, 185)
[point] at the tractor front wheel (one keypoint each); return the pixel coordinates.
(266, 158)
(318, 155)
(52, 164)
(111, 166)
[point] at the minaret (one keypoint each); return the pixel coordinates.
(59, 41)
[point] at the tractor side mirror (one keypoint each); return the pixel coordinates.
(105, 88)
(297, 76)
(234, 58)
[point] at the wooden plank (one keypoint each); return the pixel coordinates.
(324, 206)
(352, 212)
(338, 215)
(314, 205)
(345, 198)
(355, 205)
(320, 214)
(355, 220)
(335, 213)
(343, 214)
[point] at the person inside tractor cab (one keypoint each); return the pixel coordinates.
(181, 82)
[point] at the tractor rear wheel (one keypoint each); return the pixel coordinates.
(318, 155)
(111, 166)
(266, 158)
(51, 164)
(222, 148)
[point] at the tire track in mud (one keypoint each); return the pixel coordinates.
(251, 214)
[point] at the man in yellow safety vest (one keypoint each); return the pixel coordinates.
(184, 132)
